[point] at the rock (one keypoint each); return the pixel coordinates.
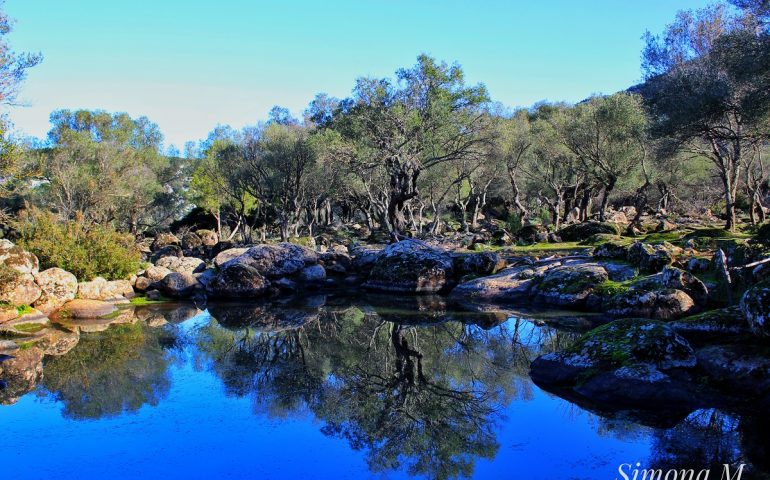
(617, 218)
(509, 285)
(755, 305)
(275, 261)
(18, 289)
(411, 266)
(662, 304)
(56, 342)
(80, 308)
(209, 238)
(530, 233)
(652, 258)
(178, 285)
(480, 264)
(163, 240)
(570, 285)
(116, 291)
(143, 284)
(619, 271)
(613, 249)
(167, 251)
(314, 274)
(673, 277)
(226, 255)
(736, 368)
(285, 285)
(664, 225)
(191, 241)
(721, 325)
(156, 273)
(502, 238)
(154, 295)
(20, 374)
(58, 287)
(581, 231)
(17, 258)
(188, 265)
(238, 280)
(364, 258)
(625, 361)
(697, 265)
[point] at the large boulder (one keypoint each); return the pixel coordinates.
(237, 280)
(81, 308)
(477, 264)
(625, 362)
(313, 275)
(188, 265)
(578, 232)
(58, 287)
(570, 285)
(723, 324)
(662, 303)
(191, 241)
(507, 286)
(229, 254)
(652, 258)
(411, 266)
(275, 261)
(102, 289)
(17, 258)
(209, 238)
(18, 288)
(755, 305)
(167, 251)
(178, 285)
(672, 277)
(164, 240)
(156, 273)
(364, 258)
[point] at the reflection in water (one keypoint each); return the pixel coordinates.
(418, 386)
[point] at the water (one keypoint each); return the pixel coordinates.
(329, 387)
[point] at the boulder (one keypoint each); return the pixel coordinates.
(81, 308)
(275, 261)
(167, 251)
(19, 289)
(721, 325)
(652, 258)
(532, 233)
(143, 284)
(20, 374)
(17, 258)
(507, 286)
(612, 249)
(237, 280)
(479, 264)
(226, 255)
(178, 285)
(101, 289)
(188, 265)
(364, 258)
(209, 238)
(314, 274)
(58, 287)
(411, 266)
(625, 362)
(736, 368)
(191, 241)
(619, 271)
(164, 240)
(570, 285)
(663, 304)
(755, 305)
(672, 277)
(156, 273)
(581, 231)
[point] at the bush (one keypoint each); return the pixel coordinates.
(84, 249)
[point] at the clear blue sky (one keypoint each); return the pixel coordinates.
(191, 64)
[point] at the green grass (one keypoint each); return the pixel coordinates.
(141, 300)
(546, 247)
(24, 310)
(610, 288)
(29, 327)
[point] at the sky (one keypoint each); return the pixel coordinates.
(190, 65)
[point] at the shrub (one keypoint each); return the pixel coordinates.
(85, 249)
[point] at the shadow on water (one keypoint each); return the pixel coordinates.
(418, 384)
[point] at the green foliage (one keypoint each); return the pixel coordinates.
(610, 288)
(86, 250)
(513, 224)
(7, 274)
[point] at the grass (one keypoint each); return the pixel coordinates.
(29, 327)
(139, 301)
(546, 247)
(24, 310)
(611, 288)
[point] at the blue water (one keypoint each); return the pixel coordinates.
(235, 415)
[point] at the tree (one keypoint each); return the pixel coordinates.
(607, 135)
(717, 104)
(13, 65)
(427, 117)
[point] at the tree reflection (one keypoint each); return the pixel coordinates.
(422, 393)
(111, 372)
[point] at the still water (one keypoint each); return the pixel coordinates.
(329, 387)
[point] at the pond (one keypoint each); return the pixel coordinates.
(334, 386)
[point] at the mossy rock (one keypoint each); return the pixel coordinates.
(720, 324)
(579, 232)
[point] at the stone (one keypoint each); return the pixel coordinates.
(164, 240)
(58, 287)
(20, 289)
(673, 277)
(238, 280)
(167, 251)
(191, 241)
(619, 271)
(663, 304)
(154, 295)
(507, 286)
(478, 264)
(530, 233)
(736, 368)
(17, 258)
(570, 285)
(81, 308)
(314, 274)
(652, 258)
(20, 374)
(116, 291)
(143, 284)
(209, 238)
(581, 231)
(411, 266)
(187, 265)
(364, 258)
(664, 225)
(178, 285)
(226, 255)
(612, 249)
(156, 273)
(755, 305)
(275, 261)
(723, 324)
